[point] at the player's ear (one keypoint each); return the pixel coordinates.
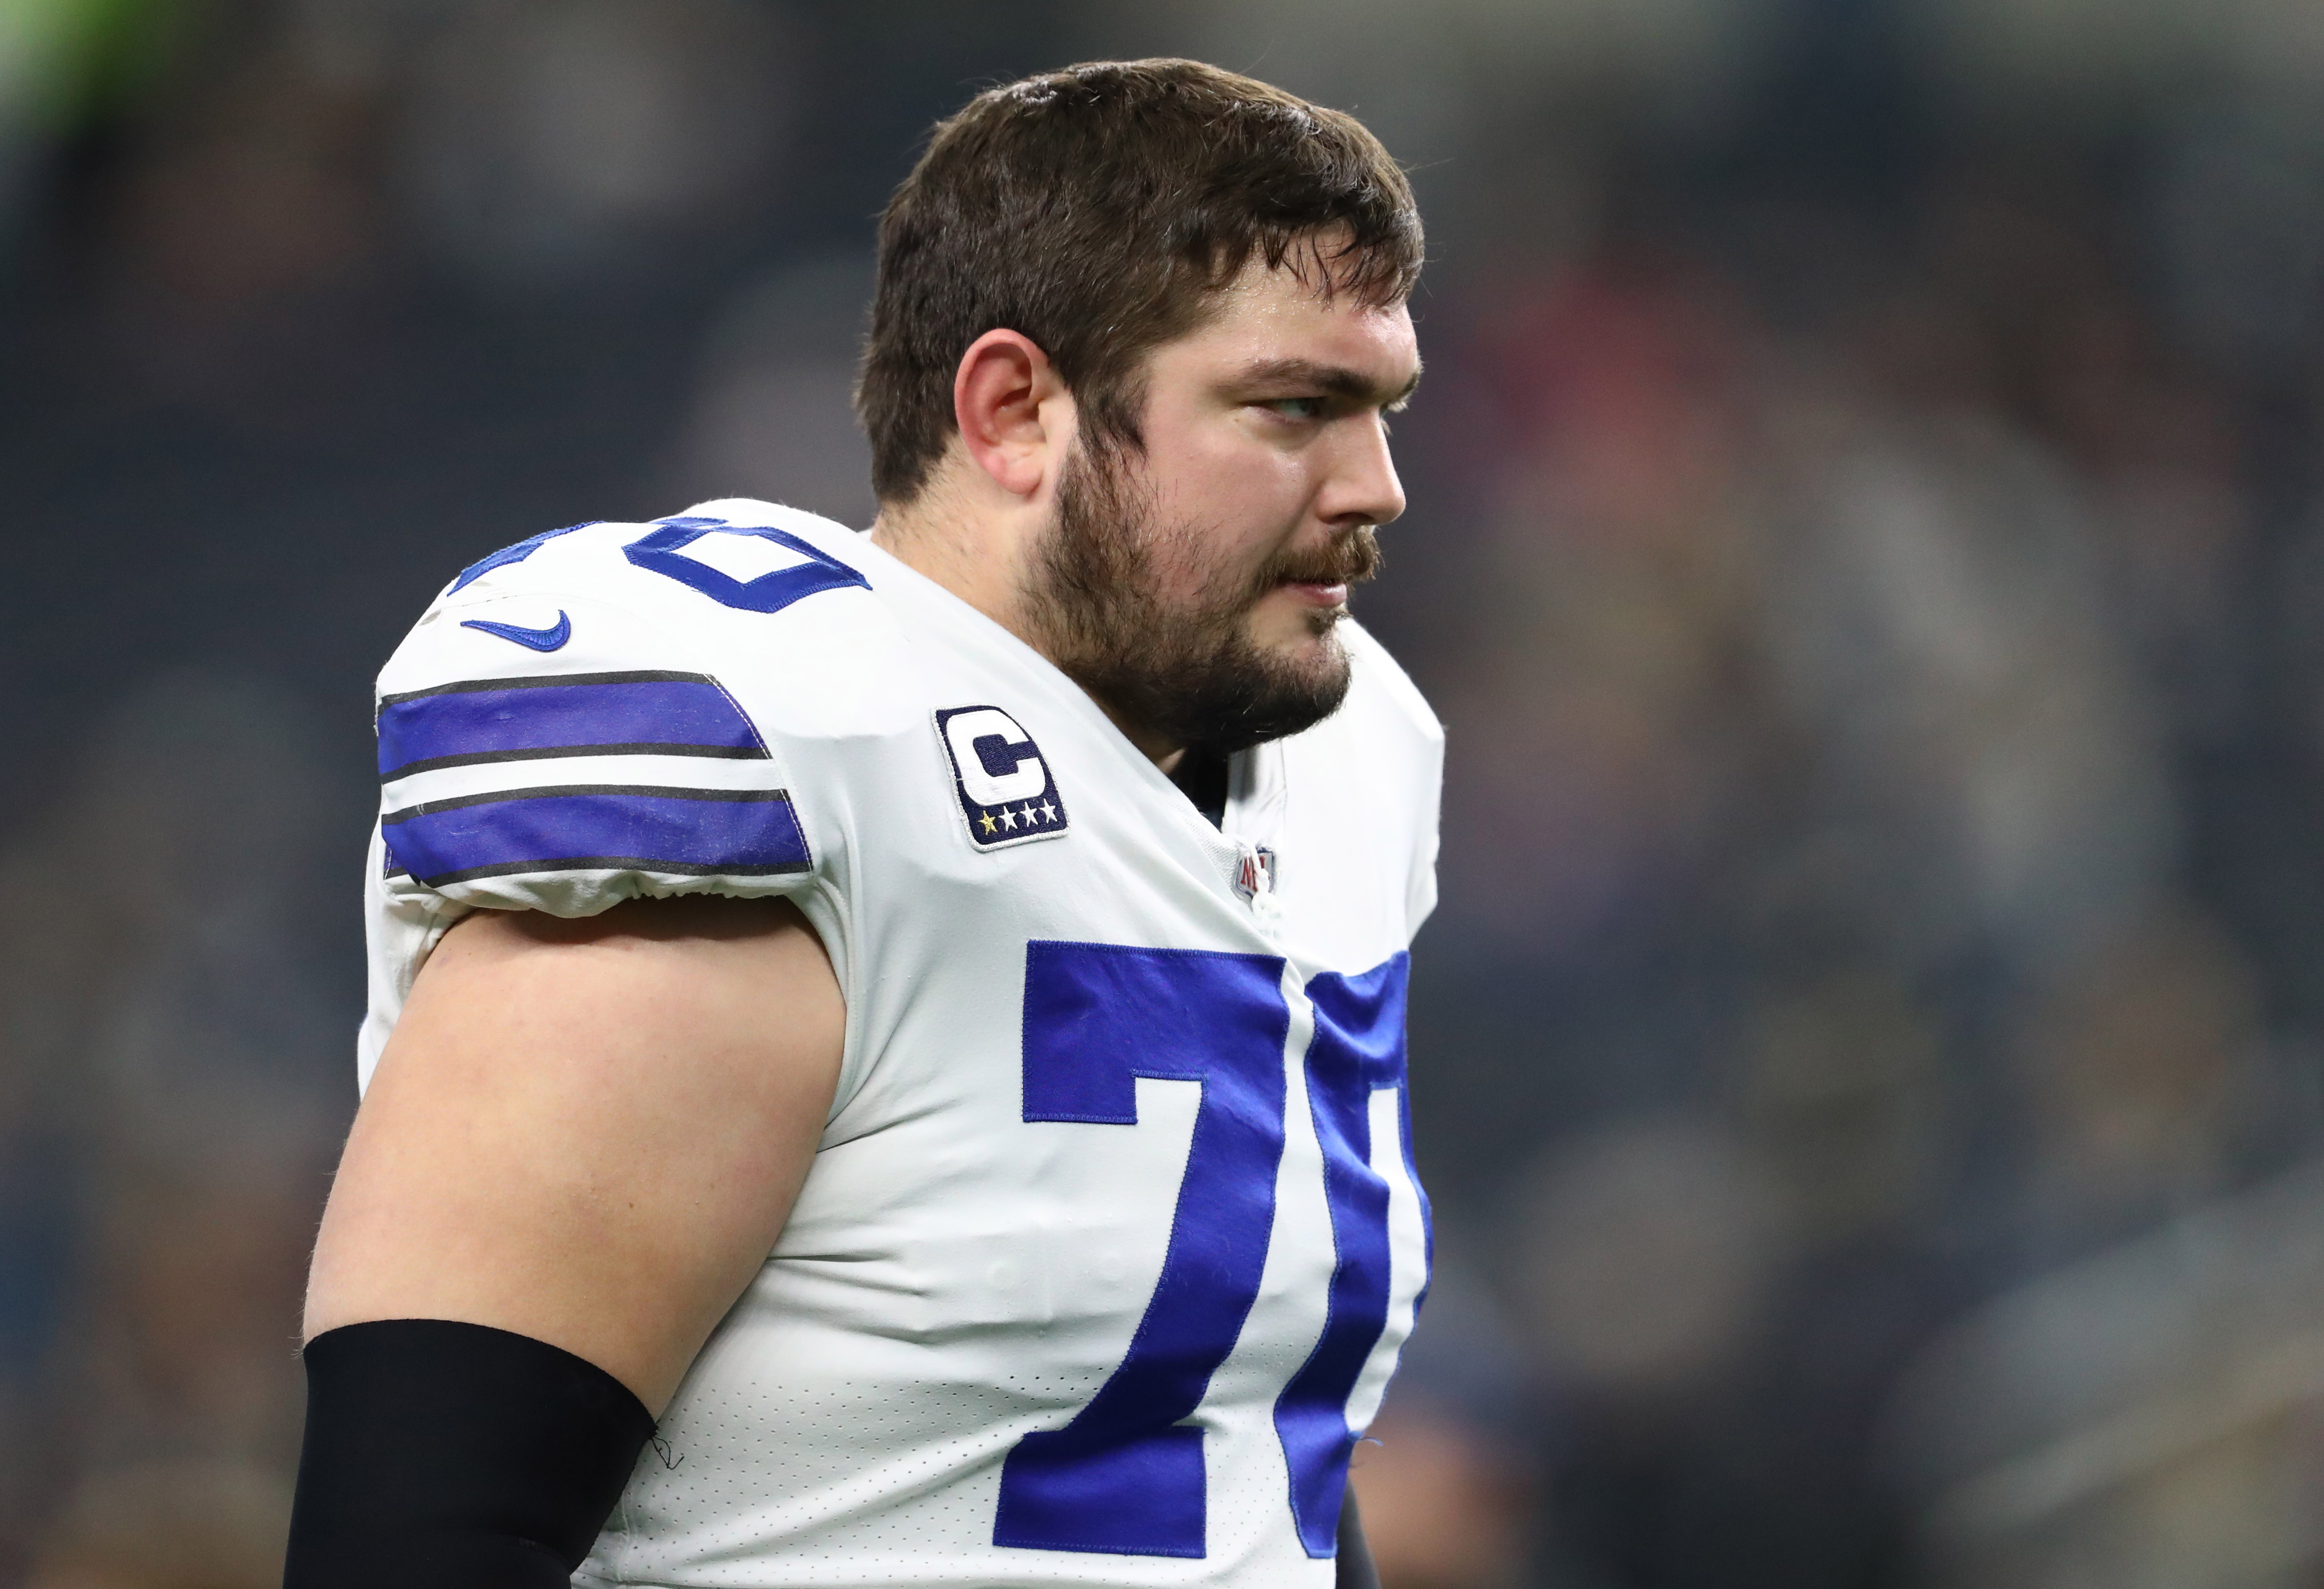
(1003, 399)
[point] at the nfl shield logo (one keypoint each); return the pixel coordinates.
(1255, 873)
(1003, 783)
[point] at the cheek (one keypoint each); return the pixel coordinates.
(1233, 508)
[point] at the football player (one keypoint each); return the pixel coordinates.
(886, 1053)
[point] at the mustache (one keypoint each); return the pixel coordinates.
(1349, 558)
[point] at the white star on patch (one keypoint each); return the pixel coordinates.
(1048, 812)
(1029, 821)
(1008, 818)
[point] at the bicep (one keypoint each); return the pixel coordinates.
(589, 1132)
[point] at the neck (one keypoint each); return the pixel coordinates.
(992, 573)
(935, 536)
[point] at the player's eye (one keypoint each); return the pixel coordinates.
(1296, 408)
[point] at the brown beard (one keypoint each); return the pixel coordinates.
(1189, 676)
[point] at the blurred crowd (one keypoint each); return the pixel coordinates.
(1867, 546)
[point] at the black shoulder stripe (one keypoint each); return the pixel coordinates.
(546, 680)
(556, 791)
(622, 863)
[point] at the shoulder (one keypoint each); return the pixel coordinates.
(715, 574)
(773, 604)
(1383, 741)
(1399, 739)
(616, 709)
(1381, 694)
(1367, 786)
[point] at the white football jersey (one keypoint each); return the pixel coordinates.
(1112, 1236)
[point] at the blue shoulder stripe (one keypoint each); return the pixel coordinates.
(581, 827)
(562, 715)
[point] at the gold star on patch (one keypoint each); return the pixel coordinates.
(987, 820)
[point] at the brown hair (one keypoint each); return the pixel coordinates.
(1096, 210)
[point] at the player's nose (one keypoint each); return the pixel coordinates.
(1363, 487)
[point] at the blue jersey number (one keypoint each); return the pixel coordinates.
(1357, 1049)
(1125, 1477)
(663, 550)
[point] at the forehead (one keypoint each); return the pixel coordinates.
(1266, 315)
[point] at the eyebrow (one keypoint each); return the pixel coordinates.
(1339, 380)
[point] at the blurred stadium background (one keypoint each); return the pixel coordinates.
(1868, 544)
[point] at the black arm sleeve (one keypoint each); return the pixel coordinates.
(457, 1456)
(1354, 1567)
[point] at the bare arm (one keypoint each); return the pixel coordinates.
(589, 1132)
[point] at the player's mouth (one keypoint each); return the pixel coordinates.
(1323, 577)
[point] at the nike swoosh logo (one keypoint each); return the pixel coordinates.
(540, 640)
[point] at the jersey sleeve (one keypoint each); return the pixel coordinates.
(549, 752)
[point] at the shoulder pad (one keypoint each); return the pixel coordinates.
(545, 749)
